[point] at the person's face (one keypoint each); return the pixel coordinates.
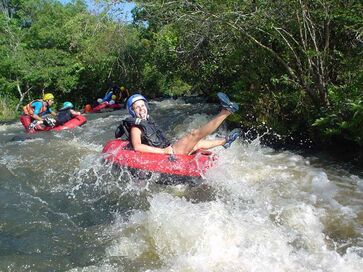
(140, 109)
(50, 102)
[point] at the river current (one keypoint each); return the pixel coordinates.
(62, 208)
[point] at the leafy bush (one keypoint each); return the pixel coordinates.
(346, 122)
(178, 87)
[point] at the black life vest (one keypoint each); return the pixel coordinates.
(151, 134)
(63, 116)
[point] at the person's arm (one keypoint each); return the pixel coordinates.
(75, 113)
(140, 147)
(50, 111)
(37, 107)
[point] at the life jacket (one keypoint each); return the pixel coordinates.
(151, 134)
(107, 96)
(63, 116)
(29, 110)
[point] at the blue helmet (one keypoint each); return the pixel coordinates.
(132, 99)
(67, 105)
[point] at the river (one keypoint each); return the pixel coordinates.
(62, 208)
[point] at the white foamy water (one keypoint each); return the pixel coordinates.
(169, 103)
(64, 208)
(6, 127)
(269, 213)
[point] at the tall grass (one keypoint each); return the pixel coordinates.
(7, 109)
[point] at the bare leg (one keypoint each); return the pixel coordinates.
(207, 144)
(187, 143)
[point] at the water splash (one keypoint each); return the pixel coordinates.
(259, 209)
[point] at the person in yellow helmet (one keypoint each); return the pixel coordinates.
(34, 112)
(123, 94)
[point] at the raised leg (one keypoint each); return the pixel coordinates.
(187, 143)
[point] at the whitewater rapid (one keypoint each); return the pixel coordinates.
(64, 209)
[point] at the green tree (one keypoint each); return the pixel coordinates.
(291, 57)
(47, 46)
(297, 34)
(35, 55)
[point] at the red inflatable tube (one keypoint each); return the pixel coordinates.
(119, 152)
(74, 122)
(106, 105)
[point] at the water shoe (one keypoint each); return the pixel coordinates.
(232, 136)
(32, 125)
(226, 103)
(49, 122)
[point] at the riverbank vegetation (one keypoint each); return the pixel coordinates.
(294, 65)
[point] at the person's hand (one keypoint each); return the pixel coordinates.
(168, 150)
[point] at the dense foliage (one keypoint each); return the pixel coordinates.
(294, 65)
(49, 47)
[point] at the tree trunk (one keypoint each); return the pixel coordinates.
(21, 94)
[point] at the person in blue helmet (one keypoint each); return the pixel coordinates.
(145, 136)
(66, 113)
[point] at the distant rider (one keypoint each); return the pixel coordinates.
(66, 113)
(34, 112)
(108, 96)
(123, 94)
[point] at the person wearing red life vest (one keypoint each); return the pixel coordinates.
(34, 113)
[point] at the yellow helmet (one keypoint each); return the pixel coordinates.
(48, 96)
(113, 97)
(122, 88)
